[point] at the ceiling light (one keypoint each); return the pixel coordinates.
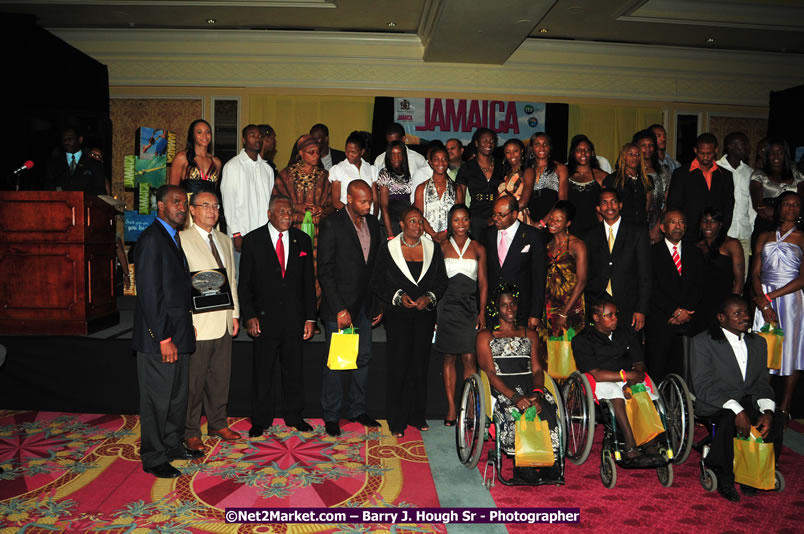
(391, 24)
(543, 30)
(211, 21)
(710, 40)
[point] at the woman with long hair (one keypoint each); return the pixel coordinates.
(551, 178)
(659, 175)
(585, 178)
(394, 187)
(630, 179)
(777, 278)
(436, 196)
(776, 176)
(517, 177)
(195, 169)
(459, 316)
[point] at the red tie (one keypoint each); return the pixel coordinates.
(280, 253)
(677, 259)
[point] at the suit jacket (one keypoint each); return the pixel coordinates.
(212, 325)
(689, 193)
(264, 293)
(716, 376)
(391, 274)
(164, 305)
(627, 265)
(342, 271)
(524, 266)
(670, 291)
(88, 176)
(337, 155)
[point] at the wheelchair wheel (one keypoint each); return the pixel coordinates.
(608, 470)
(471, 427)
(779, 486)
(562, 414)
(665, 475)
(580, 409)
(708, 480)
(679, 416)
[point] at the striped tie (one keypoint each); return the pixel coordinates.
(677, 259)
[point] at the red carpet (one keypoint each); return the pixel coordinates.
(79, 472)
(638, 503)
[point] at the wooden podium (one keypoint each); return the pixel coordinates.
(57, 252)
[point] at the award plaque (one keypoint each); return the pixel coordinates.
(211, 291)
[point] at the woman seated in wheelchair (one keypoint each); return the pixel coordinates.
(509, 355)
(615, 360)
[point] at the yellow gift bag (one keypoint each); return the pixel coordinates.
(343, 348)
(754, 462)
(532, 444)
(773, 337)
(642, 415)
(560, 362)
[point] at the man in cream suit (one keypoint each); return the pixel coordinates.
(210, 365)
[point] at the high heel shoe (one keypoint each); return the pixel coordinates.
(450, 422)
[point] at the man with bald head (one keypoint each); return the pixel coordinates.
(677, 270)
(347, 248)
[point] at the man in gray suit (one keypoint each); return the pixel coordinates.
(730, 379)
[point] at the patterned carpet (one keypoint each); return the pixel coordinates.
(81, 472)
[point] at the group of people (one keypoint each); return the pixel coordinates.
(494, 255)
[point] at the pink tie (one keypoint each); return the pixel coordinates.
(677, 259)
(502, 248)
(280, 253)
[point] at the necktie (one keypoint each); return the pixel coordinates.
(73, 164)
(215, 252)
(280, 253)
(502, 248)
(178, 240)
(677, 259)
(178, 244)
(611, 246)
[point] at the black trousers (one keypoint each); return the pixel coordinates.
(721, 454)
(409, 342)
(281, 345)
(664, 350)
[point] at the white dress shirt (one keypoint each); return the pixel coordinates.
(246, 190)
(670, 162)
(415, 161)
(274, 233)
(509, 232)
(742, 221)
(670, 247)
(615, 227)
(740, 350)
(326, 161)
(345, 173)
(205, 235)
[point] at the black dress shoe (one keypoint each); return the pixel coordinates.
(728, 492)
(164, 470)
(185, 454)
(255, 431)
(302, 426)
(748, 491)
(364, 420)
(333, 428)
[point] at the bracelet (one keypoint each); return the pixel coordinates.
(391, 237)
(767, 297)
(622, 375)
(562, 315)
(343, 313)
(537, 390)
(236, 234)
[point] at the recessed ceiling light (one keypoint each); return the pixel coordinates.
(211, 21)
(391, 24)
(710, 40)
(543, 30)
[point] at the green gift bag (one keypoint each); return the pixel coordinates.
(560, 361)
(642, 415)
(343, 349)
(307, 225)
(532, 444)
(754, 462)
(773, 337)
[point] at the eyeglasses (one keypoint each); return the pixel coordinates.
(208, 206)
(501, 215)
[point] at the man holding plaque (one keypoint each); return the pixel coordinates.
(347, 248)
(163, 335)
(277, 302)
(215, 317)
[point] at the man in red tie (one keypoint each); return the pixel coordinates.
(677, 269)
(277, 303)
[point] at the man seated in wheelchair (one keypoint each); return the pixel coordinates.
(614, 359)
(730, 379)
(509, 355)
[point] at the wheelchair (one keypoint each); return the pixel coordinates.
(475, 419)
(674, 405)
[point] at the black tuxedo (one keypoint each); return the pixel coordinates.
(627, 266)
(689, 194)
(342, 275)
(163, 311)
(525, 268)
(716, 379)
(282, 305)
(336, 155)
(669, 291)
(88, 176)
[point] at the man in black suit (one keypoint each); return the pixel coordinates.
(329, 156)
(618, 262)
(516, 255)
(277, 301)
(163, 335)
(730, 380)
(702, 185)
(73, 170)
(347, 247)
(676, 287)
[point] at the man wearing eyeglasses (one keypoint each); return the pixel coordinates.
(210, 366)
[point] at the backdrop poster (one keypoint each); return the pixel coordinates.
(443, 118)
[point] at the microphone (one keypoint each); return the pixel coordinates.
(25, 166)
